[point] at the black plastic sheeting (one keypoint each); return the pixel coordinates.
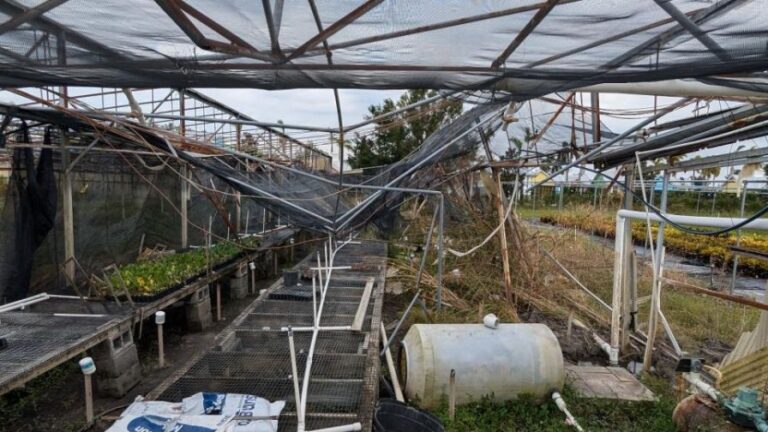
(574, 44)
(32, 199)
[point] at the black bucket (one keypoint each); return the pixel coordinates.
(290, 278)
(394, 416)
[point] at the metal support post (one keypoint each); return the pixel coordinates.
(184, 206)
(440, 254)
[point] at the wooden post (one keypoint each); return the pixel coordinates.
(391, 366)
(499, 201)
(88, 399)
(159, 321)
(218, 301)
(626, 299)
(88, 368)
(160, 350)
(452, 396)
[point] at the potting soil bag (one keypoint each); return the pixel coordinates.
(237, 406)
(227, 412)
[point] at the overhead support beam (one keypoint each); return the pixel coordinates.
(693, 29)
(334, 28)
(10, 7)
(29, 15)
(271, 27)
(442, 25)
(600, 42)
(525, 32)
(650, 46)
(277, 14)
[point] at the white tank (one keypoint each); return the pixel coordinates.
(509, 361)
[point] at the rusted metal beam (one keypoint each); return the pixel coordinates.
(29, 15)
(525, 32)
(175, 9)
(334, 28)
(723, 296)
(213, 25)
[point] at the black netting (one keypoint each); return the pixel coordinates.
(527, 47)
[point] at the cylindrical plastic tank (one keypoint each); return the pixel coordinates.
(509, 361)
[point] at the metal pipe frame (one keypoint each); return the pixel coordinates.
(622, 222)
(613, 141)
(525, 32)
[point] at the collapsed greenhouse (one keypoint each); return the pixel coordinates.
(560, 225)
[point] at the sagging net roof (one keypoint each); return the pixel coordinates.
(311, 200)
(528, 47)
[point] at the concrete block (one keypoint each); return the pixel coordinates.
(238, 287)
(119, 386)
(117, 364)
(198, 312)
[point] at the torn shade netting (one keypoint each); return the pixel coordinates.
(382, 44)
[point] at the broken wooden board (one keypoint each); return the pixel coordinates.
(601, 382)
(749, 371)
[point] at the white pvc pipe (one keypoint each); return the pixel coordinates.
(315, 331)
(314, 302)
(332, 268)
(613, 353)
(695, 380)
(560, 402)
(344, 428)
(700, 221)
(328, 328)
(295, 372)
(18, 304)
(74, 315)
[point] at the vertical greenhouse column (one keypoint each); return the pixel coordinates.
(183, 206)
(68, 214)
(184, 178)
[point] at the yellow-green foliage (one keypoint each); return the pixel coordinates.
(149, 277)
(705, 248)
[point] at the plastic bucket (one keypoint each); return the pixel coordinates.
(394, 416)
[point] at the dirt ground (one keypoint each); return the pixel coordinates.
(54, 401)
